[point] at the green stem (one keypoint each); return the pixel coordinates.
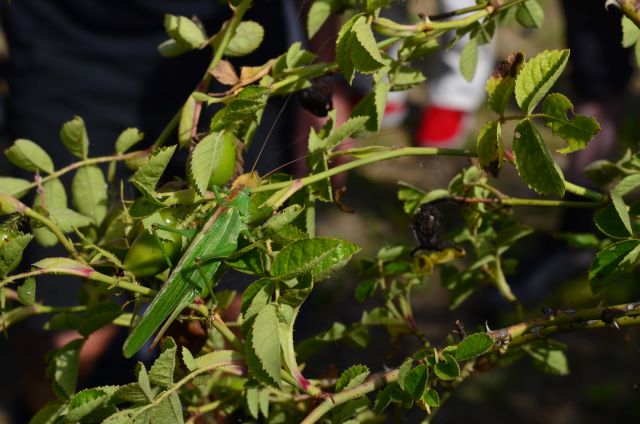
(66, 243)
(512, 201)
(505, 289)
(585, 192)
(85, 272)
(373, 158)
(219, 325)
(21, 313)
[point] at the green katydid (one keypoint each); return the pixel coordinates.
(217, 239)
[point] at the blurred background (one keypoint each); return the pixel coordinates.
(604, 365)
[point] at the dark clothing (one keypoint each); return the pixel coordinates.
(601, 66)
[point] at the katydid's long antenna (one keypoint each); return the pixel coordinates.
(286, 101)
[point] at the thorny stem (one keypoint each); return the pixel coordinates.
(522, 333)
(219, 325)
(514, 201)
(84, 272)
(66, 243)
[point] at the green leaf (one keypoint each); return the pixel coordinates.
(447, 368)
(50, 413)
(372, 106)
(127, 139)
(247, 38)
(365, 53)
(473, 345)
(185, 126)
(611, 262)
(147, 176)
(89, 193)
(548, 359)
(469, 59)
(577, 130)
(352, 377)
(173, 48)
(347, 129)
(251, 399)
(87, 401)
(283, 218)
(131, 393)
(11, 252)
(143, 381)
(630, 32)
(74, 137)
(318, 256)
(319, 12)
(62, 368)
(502, 82)
(217, 359)
(627, 185)
(204, 159)
(27, 155)
(490, 148)
(67, 219)
(415, 381)
(27, 292)
(184, 31)
(403, 369)
(530, 14)
(431, 398)
(52, 196)
(404, 78)
(139, 415)
(256, 296)
(168, 411)
(97, 317)
(344, 49)
(613, 220)
(266, 342)
(15, 187)
(538, 76)
(534, 162)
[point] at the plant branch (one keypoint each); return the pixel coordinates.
(518, 334)
(66, 243)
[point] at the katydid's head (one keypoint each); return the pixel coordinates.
(241, 201)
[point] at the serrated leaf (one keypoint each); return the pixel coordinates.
(343, 49)
(139, 415)
(630, 32)
(365, 53)
(431, 398)
(27, 155)
(318, 14)
(147, 176)
(251, 399)
(50, 413)
(352, 377)
(68, 219)
(469, 59)
(184, 30)
(627, 185)
(348, 128)
(405, 78)
(168, 411)
(74, 137)
(611, 262)
(27, 292)
(87, 401)
(415, 381)
(204, 159)
(127, 139)
(11, 252)
(246, 39)
(372, 106)
(97, 317)
(143, 381)
(613, 220)
(534, 162)
(317, 256)
(266, 342)
(530, 14)
(473, 345)
(52, 196)
(537, 76)
(89, 193)
(218, 358)
(131, 393)
(15, 187)
(502, 82)
(577, 130)
(447, 368)
(490, 148)
(62, 368)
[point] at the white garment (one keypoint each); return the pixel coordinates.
(450, 90)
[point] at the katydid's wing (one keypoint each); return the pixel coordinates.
(218, 238)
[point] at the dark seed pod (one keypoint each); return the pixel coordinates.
(317, 99)
(427, 228)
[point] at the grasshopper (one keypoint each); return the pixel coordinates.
(217, 239)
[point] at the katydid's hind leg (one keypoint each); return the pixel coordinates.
(204, 278)
(190, 234)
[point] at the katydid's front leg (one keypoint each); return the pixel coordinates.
(217, 238)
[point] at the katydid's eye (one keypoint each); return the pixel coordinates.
(317, 99)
